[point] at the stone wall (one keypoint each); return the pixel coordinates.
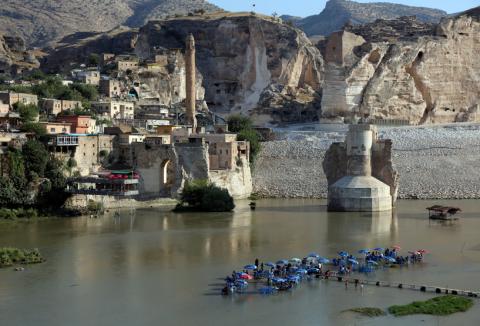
(238, 181)
(164, 169)
(432, 162)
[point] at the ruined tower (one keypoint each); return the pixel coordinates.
(191, 82)
(360, 173)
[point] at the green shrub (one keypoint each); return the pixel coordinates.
(28, 112)
(11, 256)
(244, 127)
(369, 312)
(237, 123)
(440, 306)
(253, 138)
(35, 128)
(199, 195)
(35, 157)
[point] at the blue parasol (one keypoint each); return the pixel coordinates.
(313, 255)
(323, 260)
(270, 264)
(343, 254)
(250, 267)
(378, 249)
(390, 259)
(278, 280)
(372, 262)
(364, 251)
(241, 283)
(353, 261)
(282, 262)
(301, 271)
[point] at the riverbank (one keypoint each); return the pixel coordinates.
(434, 162)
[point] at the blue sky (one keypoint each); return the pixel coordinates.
(310, 7)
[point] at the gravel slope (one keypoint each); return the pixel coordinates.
(434, 162)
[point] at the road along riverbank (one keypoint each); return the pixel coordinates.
(434, 162)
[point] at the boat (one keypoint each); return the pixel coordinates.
(444, 213)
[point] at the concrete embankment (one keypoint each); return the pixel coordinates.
(434, 162)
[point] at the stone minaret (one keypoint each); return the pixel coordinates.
(191, 82)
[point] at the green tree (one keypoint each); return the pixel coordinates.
(35, 158)
(16, 186)
(200, 195)
(237, 123)
(28, 112)
(253, 137)
(35, 128)
(53, 194)
(93, 59)
(36, 74)
(7, 192)
(88, 92)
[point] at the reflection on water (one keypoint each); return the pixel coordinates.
(151, 267)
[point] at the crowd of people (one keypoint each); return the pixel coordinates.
(285, 274)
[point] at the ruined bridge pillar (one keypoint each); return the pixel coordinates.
(348, 168)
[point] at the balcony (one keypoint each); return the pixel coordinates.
(63, 140)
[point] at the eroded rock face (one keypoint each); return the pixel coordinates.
(14, 56)
(43, 21)
(427, 79)
(244, 60)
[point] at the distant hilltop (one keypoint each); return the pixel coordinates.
(337, 13)
(40, 22)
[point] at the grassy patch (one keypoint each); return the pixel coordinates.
(368, 311)
(439, 306)
(11, 256)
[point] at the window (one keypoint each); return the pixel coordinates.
(52, 129)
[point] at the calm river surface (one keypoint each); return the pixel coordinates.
(157, 268)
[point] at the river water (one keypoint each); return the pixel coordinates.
(153, 267)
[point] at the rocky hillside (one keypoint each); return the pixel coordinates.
(14, 55)
(43, 21)
(337, 13)
(250, 63)
(421, 79)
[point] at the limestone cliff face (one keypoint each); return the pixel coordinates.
(428, 79)
(168, 83)
(240, 58)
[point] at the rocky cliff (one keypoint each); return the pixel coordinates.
(14, 55)
(337, 13)
(42, 21)
(420, 79)
(245, 60)
(250, 64)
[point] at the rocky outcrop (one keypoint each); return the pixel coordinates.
(14, 56)
(167, 83)
(338, 13)
(427, 79)
(248, 64)
(242, 59)
(43, 21)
